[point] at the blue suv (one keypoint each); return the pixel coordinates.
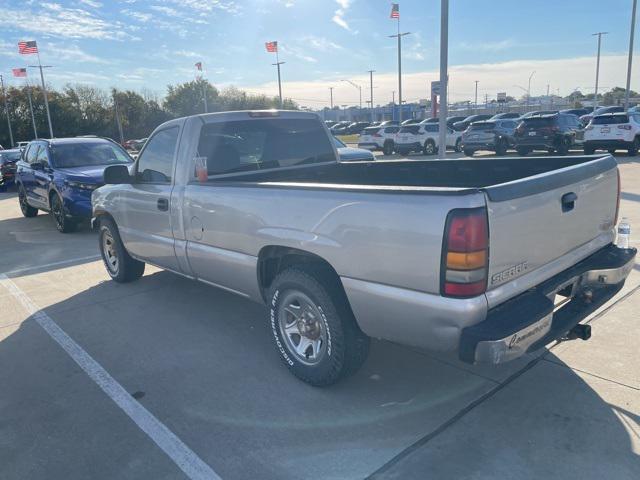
(59, 175)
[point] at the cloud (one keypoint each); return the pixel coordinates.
(74, 53)
(488, 46)
(58, 21)
(187, 54)
(91, 3)
(297, 53)
(339, 14)
(320, 43)
(135, 15)
(172, 12)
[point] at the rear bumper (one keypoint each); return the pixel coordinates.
(528, 322)
(479, 145)
(607, 144)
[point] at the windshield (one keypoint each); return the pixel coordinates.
(85, 154)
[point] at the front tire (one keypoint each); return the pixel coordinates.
(563, 146)
(387, 148)
(501, 148)
(313, 327)
(468, 152)
(64, 224)
(635, 146)
(522, 151)
(458, 147)
(120, 266)
(27, 210)
(589, 150)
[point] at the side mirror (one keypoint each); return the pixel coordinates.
(116, 174)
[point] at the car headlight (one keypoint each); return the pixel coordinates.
(82, 185)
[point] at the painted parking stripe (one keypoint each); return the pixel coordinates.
(187, 460)
(46, 266)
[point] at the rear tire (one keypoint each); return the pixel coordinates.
(589, 150)
(27, 210)
(635, 146)
(429, 148)
(468, 152)
(523, 151)
(387, 148)
(120, 266)
(313, 327)
(563, 146)
(458, 146)
(64, 223)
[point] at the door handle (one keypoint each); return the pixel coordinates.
(569, 201)
(163, 204)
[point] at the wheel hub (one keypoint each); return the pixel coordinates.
(302, 327)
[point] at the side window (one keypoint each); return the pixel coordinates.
(155, 164)
(391, 130)
(42, 156)
(32, 153)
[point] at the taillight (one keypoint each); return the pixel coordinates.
(624, 127)
(618, 198)
(465, 253)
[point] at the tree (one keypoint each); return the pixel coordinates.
(187, 98)
(615, 96)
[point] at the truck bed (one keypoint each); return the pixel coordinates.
(445, 176)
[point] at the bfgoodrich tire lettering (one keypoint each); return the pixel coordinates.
(345, 347)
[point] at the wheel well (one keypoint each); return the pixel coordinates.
(274, 259)
(102, 215)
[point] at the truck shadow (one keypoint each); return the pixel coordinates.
(206, 365)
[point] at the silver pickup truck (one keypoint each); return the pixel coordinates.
(488, 258)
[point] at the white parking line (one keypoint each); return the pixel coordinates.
(46, 266)
(187, 460)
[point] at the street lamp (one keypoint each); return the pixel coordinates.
(595, 96)
(529, 88)
(359, 89)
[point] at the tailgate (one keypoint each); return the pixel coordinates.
(536, 221)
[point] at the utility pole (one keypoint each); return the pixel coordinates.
(277, 64)
(529, 88)
(399, 37)
(633, 27)
(595, 96)
(476, 101)
(444, 77)
(393, 98)
(6, 110)
(371, 94)
(331, 97)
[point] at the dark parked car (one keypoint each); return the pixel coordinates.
(58, 176)
(578, 112)
(339, 127)
(450, 120)
(8, 159)
(505, 116)
(494, 135)
(537, 113)
(555, 132)
(463, 124)
(585, 119)
(411, 121)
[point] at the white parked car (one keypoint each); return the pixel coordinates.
(424, 138)
(381, 137)
(613, 131)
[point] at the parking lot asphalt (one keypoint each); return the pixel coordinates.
(168, 378)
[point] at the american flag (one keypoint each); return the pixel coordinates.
(395, 10)
(199, 66)
(26, 48)
(19, 72)
(272, 47)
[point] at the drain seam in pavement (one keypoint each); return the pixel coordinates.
(461, 413)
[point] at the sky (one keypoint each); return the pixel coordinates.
(146, 45)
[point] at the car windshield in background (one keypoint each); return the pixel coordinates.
(370, 130)
(246, 145)
(9, 156)
(410, 129)
(610, 119)
(84, 154)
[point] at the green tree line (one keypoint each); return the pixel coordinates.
(86, 110)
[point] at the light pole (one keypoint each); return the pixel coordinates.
(595, 96)
(359, 90)
(444, 77)
(371, 95)
(399, 37)
(529, 88)
(476, 101)
(633, 27)
(331, 97)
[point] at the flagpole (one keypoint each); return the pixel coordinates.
(279, 81)
(399, 36)
(46, 99)
(6, 110)
(33, 118)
